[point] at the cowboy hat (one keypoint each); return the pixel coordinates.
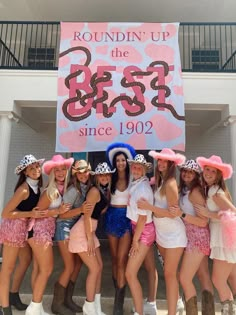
(119, 147)
(140, 159)
(57, 160)
(215, 161)
(102, 168)
(81, 166)
(190, 165)
(26, 161)
(168, 154)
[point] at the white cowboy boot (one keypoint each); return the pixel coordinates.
(98, 304)
(89, 308)
(33, 308)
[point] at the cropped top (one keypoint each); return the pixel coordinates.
(100, 205)
(29, 203)
(120, 197)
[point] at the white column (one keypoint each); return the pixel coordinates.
(5, 133)
(233, 157)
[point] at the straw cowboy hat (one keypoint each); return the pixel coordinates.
(140, 159)
(57, 160)
(119, 147)
(190, 165)
(26, 161)
(215, 161)
(168, 154)
(81, 166)
(102, 168)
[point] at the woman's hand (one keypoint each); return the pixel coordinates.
(134, 248)
(64, 207)
(37, 213)
(175, 211)
(143, 204)
(91, 247)
(87, 208)
(201, 211)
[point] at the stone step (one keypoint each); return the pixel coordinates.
(107, 305)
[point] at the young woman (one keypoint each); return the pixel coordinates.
(142, 227)
(198, 236)
(84, 241)
(14, 225)
(75, 195)
(215, 172)
(117, 225)
(42, 230)
(170, 231)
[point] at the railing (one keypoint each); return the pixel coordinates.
(204, 47)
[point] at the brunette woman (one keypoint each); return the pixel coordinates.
(220, 210)
(14, 225)
(170, 231)
(84, 241)
(75, 195)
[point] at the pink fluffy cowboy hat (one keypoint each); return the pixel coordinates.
(168, 154)
(57, 160)
(215, 161)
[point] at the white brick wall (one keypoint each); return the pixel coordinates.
(25, 140)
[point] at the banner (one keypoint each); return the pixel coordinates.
(119, 82)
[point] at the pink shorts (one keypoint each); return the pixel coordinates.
(78, 242)
(43, 230)
(13, 232)
(148, 235)
(198, 238)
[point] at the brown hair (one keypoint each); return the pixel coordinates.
(161, 180)
(220, 182)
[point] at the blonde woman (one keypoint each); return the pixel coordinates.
(41, 231)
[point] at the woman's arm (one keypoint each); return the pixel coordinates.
(138, 231)
(10, 211)
(195, 198)
(44, 204)
(85, 207)
(92, 198)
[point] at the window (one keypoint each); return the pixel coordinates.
(41, 58)
(205, 60)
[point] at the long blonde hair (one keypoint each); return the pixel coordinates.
(51, 189)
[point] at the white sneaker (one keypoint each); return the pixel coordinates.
(150, 308)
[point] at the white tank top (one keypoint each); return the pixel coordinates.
(120, 197)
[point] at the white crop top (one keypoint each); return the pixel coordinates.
(120, 198)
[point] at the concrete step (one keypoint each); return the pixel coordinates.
(107, 305)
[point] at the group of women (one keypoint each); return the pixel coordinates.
(188, 222)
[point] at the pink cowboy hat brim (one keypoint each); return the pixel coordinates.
(176, 158)
(226, 169)
(49, 165)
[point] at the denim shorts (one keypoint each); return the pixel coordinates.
(63, 227)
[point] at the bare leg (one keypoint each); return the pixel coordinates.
(190, 264)
(44, 258)
(220, 273)
(133, 266)
(149, 264)
(68, 260)
(24, 260)
(204, 277)
(93, 272)
(9, 255)
(77, 267)
(171, 258)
